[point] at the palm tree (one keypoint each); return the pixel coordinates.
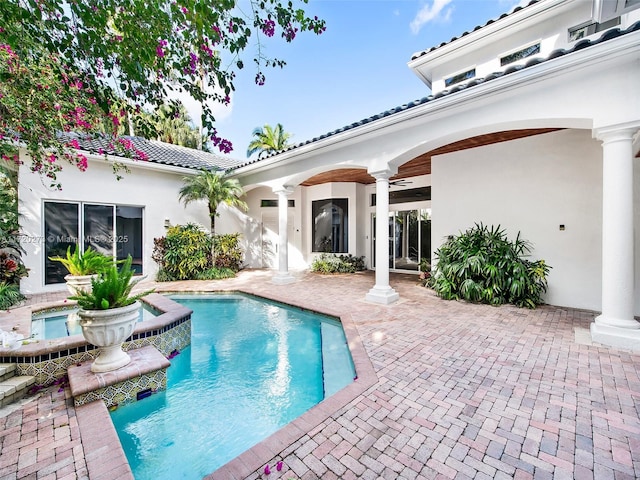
(215, 188)
(268, 139)
(169, 123)
(174, 125)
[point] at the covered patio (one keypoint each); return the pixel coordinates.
(456, 391)
(534, 149)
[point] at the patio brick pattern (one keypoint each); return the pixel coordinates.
(463, 391)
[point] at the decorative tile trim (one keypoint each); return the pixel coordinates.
(126, 391)
(49, 361)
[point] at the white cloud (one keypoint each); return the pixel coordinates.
(194, 108)
(431, 12)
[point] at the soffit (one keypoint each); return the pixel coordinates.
(533, 63)
(421, 165)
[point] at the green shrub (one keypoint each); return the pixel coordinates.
(425, 271)
(9, 295)
(332, 263)
(187, 252)
(227, 252)
(482, 265)
(356, 262)
(12, 268)
(216, 273)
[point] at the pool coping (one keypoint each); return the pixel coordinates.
(170, 312)
(257, 456)
(99, 420)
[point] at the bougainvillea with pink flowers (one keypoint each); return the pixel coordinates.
(88, 67)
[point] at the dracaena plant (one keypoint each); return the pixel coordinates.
(111, 289)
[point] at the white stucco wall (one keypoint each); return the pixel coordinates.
(549, 29)
(155, 191)
(259, 229)
(323, 192)
(532, 185)
(259, 224)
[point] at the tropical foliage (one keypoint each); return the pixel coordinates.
(89, 66)
(8, 201)
(9, 295)
(328, 263)
(111, 289)
(483, 265)
(425, 271)
(170, 123)
(11, 267)
(88, 262)
(227, 252)
(214, 188)
(173, 125)
(188, 252)
(268, 139)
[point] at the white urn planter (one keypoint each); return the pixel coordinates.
(108, 329)
(79, 283)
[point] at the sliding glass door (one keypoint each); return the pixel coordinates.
(409, 239)
(61, 231)
(113, 230)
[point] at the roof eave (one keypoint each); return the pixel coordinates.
(143, 164)
(605, 51)
(421, 60)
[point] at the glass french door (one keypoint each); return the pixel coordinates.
(409, 239)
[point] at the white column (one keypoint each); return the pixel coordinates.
(616, 325)
(381, 291)
(283, 276)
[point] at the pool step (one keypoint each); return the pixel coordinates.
(145, 374)
(13, 388)
(7, 370)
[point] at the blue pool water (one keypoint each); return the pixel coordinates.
(50, 325)
(252, 367)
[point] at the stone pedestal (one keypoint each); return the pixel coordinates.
(146, 373)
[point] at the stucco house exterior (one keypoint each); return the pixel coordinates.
(531, 122)
(94, 208)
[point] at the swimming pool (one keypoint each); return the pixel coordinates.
(50, 325)
(252, 367)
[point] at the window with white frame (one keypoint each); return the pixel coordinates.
(520, 54)
(330, 225)
(585, 29)
(460, 77)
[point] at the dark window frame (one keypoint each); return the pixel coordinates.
(116, 241)
(330, 235)
(270, 202)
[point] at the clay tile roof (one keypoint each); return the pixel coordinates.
(517, 9)
(159, 152)
(607, 35)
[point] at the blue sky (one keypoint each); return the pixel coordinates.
(355, 69)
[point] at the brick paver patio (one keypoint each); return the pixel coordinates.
(460, 391)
